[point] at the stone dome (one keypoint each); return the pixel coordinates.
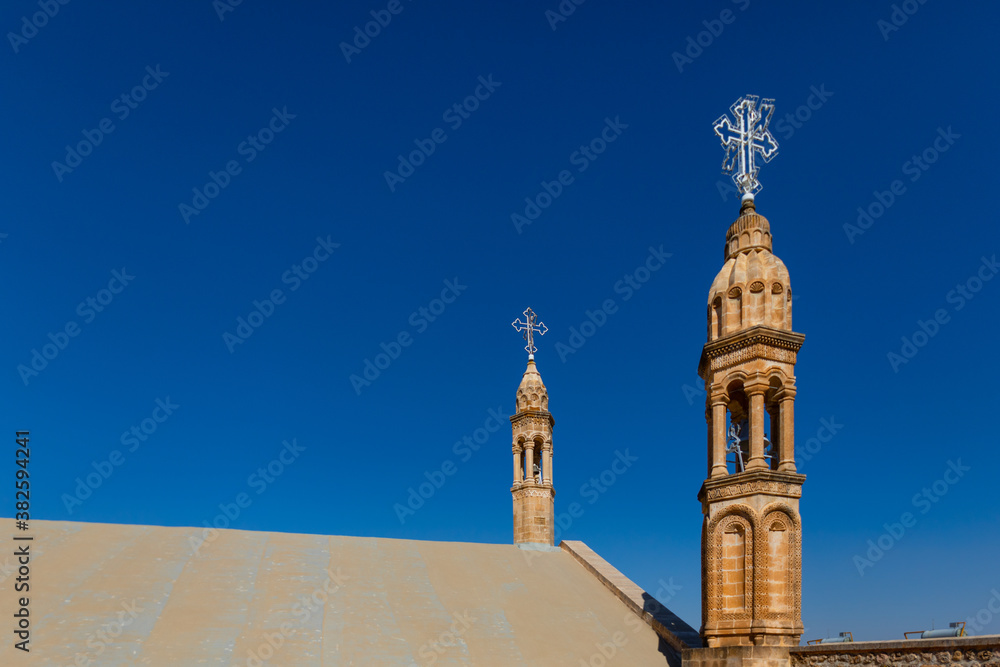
(753, 287)
(531, 393)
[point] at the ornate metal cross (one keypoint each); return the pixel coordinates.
(745, 138)
(529, 327)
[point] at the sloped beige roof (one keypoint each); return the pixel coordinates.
(147, 595)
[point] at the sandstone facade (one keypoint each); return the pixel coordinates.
(752, 533)
(532, 490)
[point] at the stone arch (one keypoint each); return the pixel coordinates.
(755, 304)
(729, 564)
(778, 554)
(734, 309)
(777, 309)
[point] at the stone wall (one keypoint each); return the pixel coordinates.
(533, 512)
(954, 652)
(737, 656)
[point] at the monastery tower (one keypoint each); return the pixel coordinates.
(751, 535)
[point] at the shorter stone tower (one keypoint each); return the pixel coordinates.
(534, 497)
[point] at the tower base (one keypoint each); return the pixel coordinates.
(738, 656)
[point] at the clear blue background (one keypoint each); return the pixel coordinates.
(659, 183)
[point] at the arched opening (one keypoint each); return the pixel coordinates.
(772, 424)
(755, 304)
(734, 310)
(534, 469)
(738, 434)
(777, 306)
(715, 325)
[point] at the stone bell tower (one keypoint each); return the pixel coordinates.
(751, 535)
(532, 491)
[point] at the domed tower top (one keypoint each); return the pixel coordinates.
(750, 231)
(753, 287)
(531, 393)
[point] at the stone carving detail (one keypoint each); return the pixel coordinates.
(776, 288)
(532, 492)
(756, 562)
(779, 513)
(750, 353)
(735, 292)
(756, 286)
(746, 518)
(759, 486)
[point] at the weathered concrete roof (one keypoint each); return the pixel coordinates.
(161, 601)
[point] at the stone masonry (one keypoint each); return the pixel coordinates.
(532, 491)
(751, 536)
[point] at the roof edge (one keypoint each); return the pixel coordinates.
(668, 625)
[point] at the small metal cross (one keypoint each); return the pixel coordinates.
(530, 326)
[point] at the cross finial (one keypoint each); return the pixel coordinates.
(745, 138)
(529, 327)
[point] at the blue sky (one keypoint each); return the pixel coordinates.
(278, 140)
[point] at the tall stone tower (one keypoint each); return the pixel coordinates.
(751, 535)
(534, 497)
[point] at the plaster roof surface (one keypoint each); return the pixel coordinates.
(143, 595)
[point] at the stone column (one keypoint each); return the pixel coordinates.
(786, 399)
(718, 437)
(547, 463)
(756, 394)
(518, 477)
